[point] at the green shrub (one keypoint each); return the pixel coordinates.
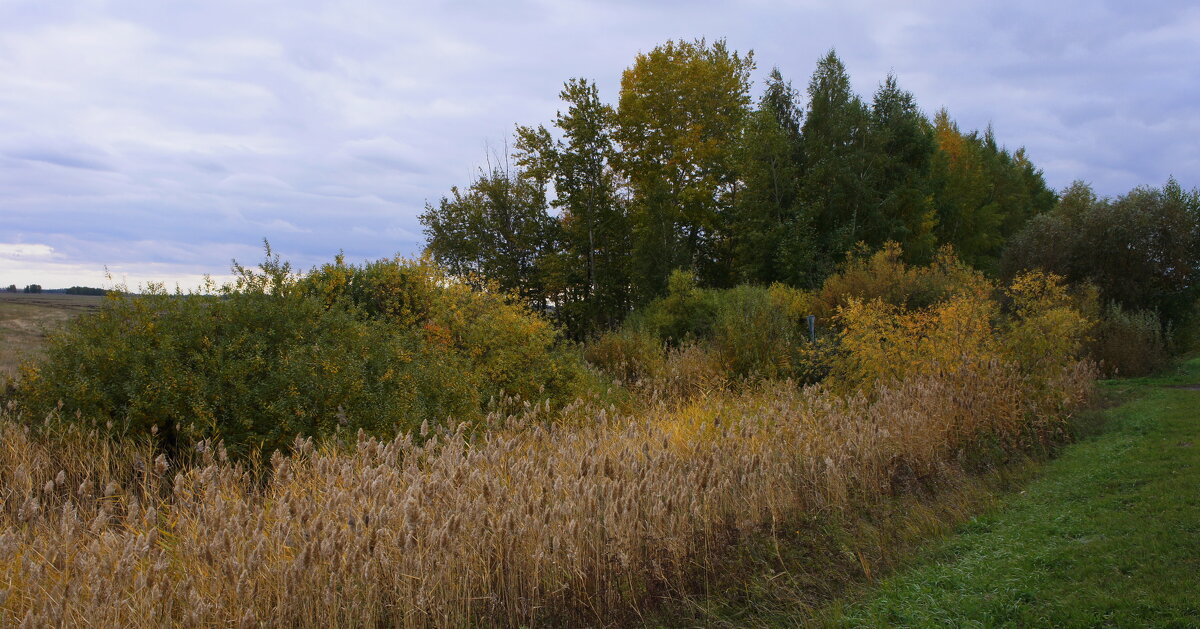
(515, 351)
(1129, 342)
(686, 312)
(760, 331)
(754, 332)
(383, 348)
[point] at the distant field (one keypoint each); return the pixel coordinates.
(25, 320)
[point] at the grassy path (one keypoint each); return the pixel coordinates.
(1107, 536)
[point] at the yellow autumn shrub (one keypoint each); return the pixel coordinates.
(882, 342)
(884, 275)
(884, 338)
(1047, 330)
(895, 320)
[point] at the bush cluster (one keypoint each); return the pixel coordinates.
(1035, 325)
(884, 275)
(553, 516)
(1141, 253)
(746, 332)
(532, 523)
(383, 347)
(1129, 342)
(880, 320)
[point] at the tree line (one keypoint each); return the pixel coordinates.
(74, 290)
(589, 216)
(29, 288)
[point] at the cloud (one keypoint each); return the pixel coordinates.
(173, 136)
(386, 153)
(12, 251)
(65, 160)
(58, 151)
(30, 263)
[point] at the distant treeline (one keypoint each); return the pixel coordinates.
(74, 290)
(29, 288)
(85, 290)
(588, 218)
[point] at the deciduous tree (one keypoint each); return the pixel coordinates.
(680, 117)
(1142, 249)
(590, 276)
(498, 229)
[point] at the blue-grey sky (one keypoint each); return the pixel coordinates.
(161, 139)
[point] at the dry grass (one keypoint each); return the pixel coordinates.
(532, 522)
(25, 320)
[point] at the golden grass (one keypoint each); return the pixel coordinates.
(532, 522)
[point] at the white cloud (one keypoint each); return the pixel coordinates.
(15, 251)
(23, 264)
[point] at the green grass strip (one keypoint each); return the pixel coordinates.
(1108, 535)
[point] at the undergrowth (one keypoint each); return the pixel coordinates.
(555, 514)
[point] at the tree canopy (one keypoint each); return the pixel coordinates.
(1141, 250)
(690, 171)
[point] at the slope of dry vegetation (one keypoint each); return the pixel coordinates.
(559, 515)
(532, 523)
(582, 515)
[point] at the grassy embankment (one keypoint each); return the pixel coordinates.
(25, 319)
(1109, 534)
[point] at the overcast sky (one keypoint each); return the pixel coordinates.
(161, 139)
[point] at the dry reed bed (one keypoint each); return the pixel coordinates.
(529, 523)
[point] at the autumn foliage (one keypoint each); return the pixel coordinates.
(410, 444)
(576, 513)
(533, 522)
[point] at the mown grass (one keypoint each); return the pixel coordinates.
(1107, 536)
(784, 579)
